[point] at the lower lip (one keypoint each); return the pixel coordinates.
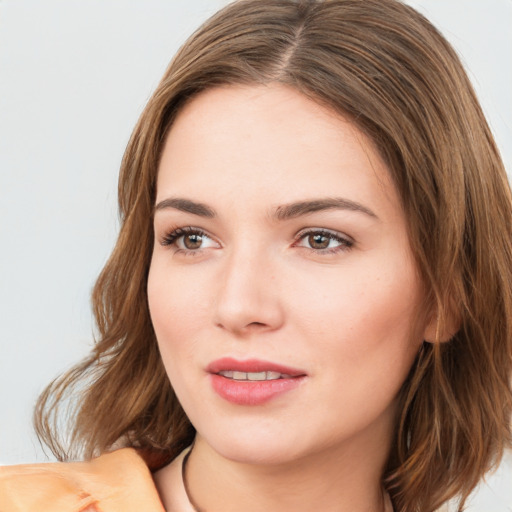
(252, 392)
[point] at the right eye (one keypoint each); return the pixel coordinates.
(189, 240)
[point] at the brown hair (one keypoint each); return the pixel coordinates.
(385, 67)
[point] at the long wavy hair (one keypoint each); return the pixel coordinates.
(382, 65)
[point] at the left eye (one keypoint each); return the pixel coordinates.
(323, 241)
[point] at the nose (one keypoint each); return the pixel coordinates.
(248, 299)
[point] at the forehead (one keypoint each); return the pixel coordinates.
(268, 140)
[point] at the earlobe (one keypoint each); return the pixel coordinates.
(442, 329)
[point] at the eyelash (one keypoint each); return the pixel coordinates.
(345, 243)
(172, 237)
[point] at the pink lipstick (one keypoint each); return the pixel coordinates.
(252, 382)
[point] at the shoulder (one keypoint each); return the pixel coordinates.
(116, 481)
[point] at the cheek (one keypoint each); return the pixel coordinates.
(175, 306)
(175, 294)
(363, 316)
(358, 300)
(171, 304)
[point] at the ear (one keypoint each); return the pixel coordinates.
(442, 328)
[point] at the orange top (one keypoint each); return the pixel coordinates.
(119, 481)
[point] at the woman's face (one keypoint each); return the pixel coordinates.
(282, 288)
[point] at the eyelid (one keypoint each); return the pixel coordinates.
(325, 231)
(346, 242)
(170, 237)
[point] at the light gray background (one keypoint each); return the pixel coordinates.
(74, 76)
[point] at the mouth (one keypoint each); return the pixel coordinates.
(252, 370)
(253, 376)
(252, 382)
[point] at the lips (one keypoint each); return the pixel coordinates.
(252, 366)
(252, 382)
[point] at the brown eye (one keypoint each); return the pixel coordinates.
(192, 241)
(318, 241)
(189, 239)
(324, 241)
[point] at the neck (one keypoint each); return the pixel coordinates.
(333, 480)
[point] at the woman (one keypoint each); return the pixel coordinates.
(308, 305)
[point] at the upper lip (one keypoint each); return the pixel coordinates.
(252, 365)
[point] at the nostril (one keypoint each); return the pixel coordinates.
(246, 328)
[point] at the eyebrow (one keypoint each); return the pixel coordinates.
(186, 205)
(281, 213)
(293, 210)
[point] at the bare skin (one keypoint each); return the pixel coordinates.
(290, 247)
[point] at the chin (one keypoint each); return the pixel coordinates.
(256, 453)
(259, 445)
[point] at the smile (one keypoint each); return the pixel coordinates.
(252, 369)
(253, 376)
(252, 382)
